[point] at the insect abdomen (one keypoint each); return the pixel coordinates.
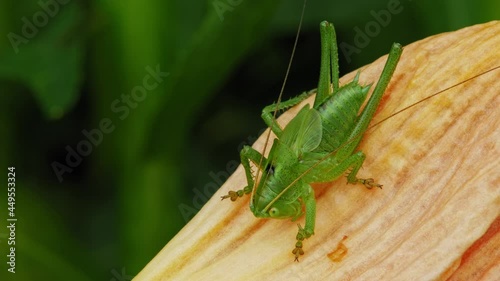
(339, 114)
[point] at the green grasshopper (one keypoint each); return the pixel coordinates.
(318, 145)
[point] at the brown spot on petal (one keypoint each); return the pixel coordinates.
(339, 253)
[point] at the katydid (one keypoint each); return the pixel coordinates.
(318, 145)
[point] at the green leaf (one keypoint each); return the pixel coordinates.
(49, 64)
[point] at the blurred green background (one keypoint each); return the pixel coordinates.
(67, 67)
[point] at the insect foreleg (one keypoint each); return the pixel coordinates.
(269, 118)
(247, 154)
(308, 230)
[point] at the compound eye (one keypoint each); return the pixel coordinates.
(270, 169)
(274, 212)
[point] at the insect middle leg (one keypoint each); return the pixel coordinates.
(269, 118)
(353, 162)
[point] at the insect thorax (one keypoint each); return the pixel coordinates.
(339, 115)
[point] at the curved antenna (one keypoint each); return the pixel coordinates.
(254, 188)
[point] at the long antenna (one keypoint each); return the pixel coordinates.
(279, 97)
(431, 96)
